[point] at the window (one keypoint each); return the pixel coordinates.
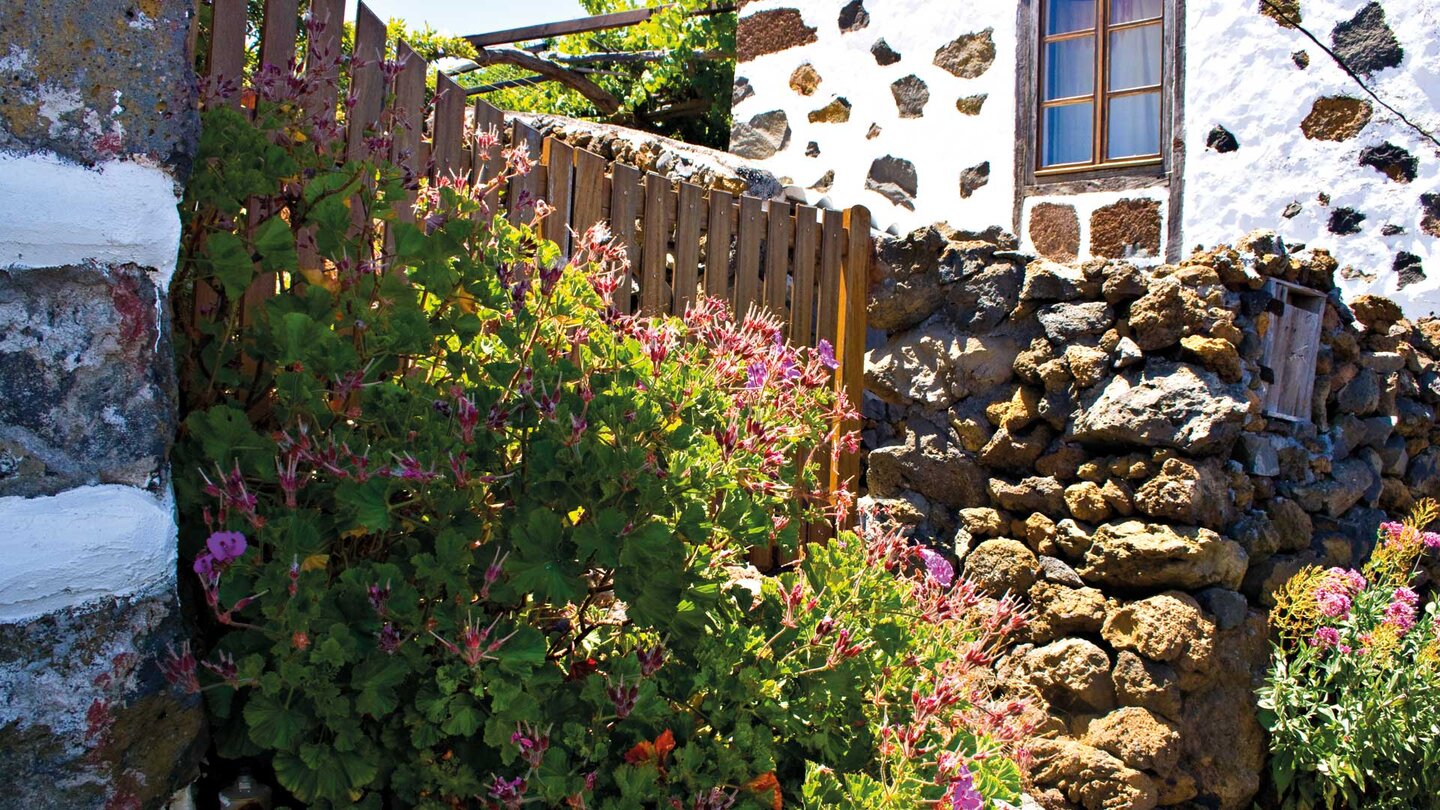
(1291, 347)
(1100, 84)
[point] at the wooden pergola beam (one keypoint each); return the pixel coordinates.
(599, 22)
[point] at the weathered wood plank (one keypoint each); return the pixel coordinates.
(448, 139)
(277, 34)
(599, 22)
(487, 164)
(718, 231)
(832, 249)
(227, 45)
(687, 245)
(559, 160)
(322, 56)
(409, 114)
(624, 198)
(850, 349)
(748, 234)
(525, 188)
(589, 206)
(802, 289)
(367, 84)
(654, 292)
(778, 232)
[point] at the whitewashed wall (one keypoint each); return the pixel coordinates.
(1240, 73)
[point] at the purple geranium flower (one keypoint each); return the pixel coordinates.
(963, 795)
(827, 354)
(938, 567)
(226, 546)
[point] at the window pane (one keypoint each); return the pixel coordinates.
(1135, 57)
(1064, 16)
(1134, 126)
(1123, 11)
(1067, 135)
(1070, 68)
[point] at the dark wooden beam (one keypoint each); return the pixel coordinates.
(600, 22)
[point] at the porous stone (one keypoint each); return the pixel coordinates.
(930, 463)
(1086, 501)
(911, 95)
(969, 55)
(1071, 672)
(1430, 214)
(1168, 627)
(1055, 231)
(1153, 685)
(971, 105)
(770, 31)
(1129, 227)
(1408, 269)
(1221, 140)
(973, 178)
(741, 90)
(836, 112)
(99, 81)
(805, 79)
(1229, 608)
(1065, 322)
(1034, 494)
(1002, 566)
(1336, 118)
(89, 383)
(1135, 554)
(1164, 405)
(762, 136)
(1138, 737)
(1344, 221)
(1395, 162)
(982, 521)
(1375, 312)
(1285, 13)
(1198, 493)
(895, 179)
(853, 16)
(883, 53)
(1365, 42)
(1091, 778)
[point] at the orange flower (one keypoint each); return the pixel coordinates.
(767, 783)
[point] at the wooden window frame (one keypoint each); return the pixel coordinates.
(1291, 350)
(1030, 110)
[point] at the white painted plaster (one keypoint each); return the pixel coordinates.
(941, 144)
(54, 213)
(80, 545)
(1240, 75)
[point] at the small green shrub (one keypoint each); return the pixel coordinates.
(1354, 689)
(469, 537)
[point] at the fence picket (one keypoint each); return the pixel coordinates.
(655, 298)
(687, 245)
(559, 160)
(850, 347)
(748, 234)
(487, 165)
(777, 261)
(717, 244)
(277, 34)
(322, 56)
(448, 137)
(832, 246)
(366, 82)
(227, 44)
(802, 289)
(624, 182)
(589, 205)
(409, 119)
(524, 189)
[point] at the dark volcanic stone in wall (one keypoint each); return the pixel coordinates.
(1345, 221)
(100, 726)
(1055, 231)
(968, 55)
(883, 53)
(88, 379)
(1430, 214)
(1301, 59)
(1125, 228)
(762, 136)
(973, 178)
(894, 178)
(127, 91)
(771, 32)
(853, 16)
(1221, 140)
(741, 91)
(1391, 160)
(911, 95)
(1365, 42)
(1408, 268)
(1336, 118)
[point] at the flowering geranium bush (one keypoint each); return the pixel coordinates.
(1354, 690)
(468, 537)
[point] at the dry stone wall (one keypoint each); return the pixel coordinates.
(97, 129)
(910, 108)
(1092, 436)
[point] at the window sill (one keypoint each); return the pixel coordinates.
(1115, 178)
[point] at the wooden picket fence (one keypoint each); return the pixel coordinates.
(808, 266)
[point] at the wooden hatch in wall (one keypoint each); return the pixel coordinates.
(1291, 347)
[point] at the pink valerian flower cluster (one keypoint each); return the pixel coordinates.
(1336, 594)
(1400, 613)
(1326, 638)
